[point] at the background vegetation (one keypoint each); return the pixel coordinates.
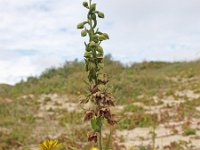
(23, 107)
(128, 82)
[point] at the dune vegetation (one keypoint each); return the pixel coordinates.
(155, 97)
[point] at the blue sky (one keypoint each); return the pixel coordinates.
(37, 34)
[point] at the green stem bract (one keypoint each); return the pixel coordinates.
(100, 139)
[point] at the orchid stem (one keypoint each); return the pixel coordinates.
(100, 139)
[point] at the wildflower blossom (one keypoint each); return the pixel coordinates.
(131, 147)
(49, 145)
(94, 148)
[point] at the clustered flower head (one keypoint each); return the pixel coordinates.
(94, 148)
(97, 90)
(49, 145)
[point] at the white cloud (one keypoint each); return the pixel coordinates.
(36, 34)
(17, 65)
(16, 69)
(149, 28)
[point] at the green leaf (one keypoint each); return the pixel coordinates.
(94, 125)
(93, 74)
(86, 67)
(99, 123)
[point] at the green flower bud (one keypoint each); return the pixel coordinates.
(101, 37)
(85, 4)
(88, 49)
(100, 55)
(106, 36)
(93, 7)
(87, 54)
(95, 38)
(100, 15)
(92, 66)
(83, 33)
(92, 44)
(99, 59)
(100, 49)
(81, 25)
(92, 74)
(101, 65)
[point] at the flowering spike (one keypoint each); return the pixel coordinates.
(98, 96)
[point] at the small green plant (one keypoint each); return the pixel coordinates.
(70, 118)
(141, 120)
(189, 131)
(153, 136)
(98, 94)
(47, 99)
(134, 109)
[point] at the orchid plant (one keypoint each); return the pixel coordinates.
(98, 94)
